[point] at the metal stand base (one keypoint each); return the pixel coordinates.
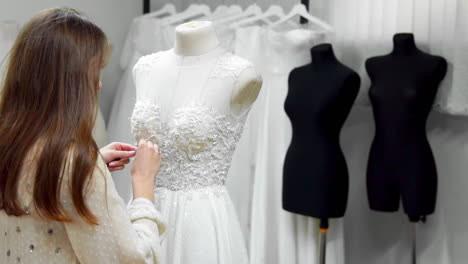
(323, 240)
(414, 232)
(323, 247)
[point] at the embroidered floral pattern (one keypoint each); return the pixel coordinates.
(197, 144)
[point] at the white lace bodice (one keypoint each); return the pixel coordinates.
(198, 134)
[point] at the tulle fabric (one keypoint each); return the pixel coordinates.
(198, 218)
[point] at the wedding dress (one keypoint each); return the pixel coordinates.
(241, 174)
(277, 236)
(146, 35)
(183, 105)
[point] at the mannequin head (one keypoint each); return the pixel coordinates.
(403, 43)
(50, 99)
(322, 54)
(195, 38)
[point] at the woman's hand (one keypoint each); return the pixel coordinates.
(145, 168)
(117, 155)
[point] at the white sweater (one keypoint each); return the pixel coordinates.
(124, 235)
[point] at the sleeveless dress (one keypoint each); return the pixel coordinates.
(146, 36)
(191, 121)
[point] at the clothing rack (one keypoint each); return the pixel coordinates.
(147, 6)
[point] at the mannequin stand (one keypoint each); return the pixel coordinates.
(415, 236)
(323, 240)
(414, 244)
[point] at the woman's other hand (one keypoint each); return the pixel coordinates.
(117, 155)
(145, 168)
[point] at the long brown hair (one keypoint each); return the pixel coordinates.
(50, 94)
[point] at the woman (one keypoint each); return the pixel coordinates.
(58, 203)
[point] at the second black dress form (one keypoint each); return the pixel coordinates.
(401, 163)
(315, 174)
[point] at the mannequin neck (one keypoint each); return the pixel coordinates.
(195, 38)
(403, 43)
(323, 54)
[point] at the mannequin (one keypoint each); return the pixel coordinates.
(315, 175)
(193, 101)
(404, 84)
(195, 38)
(198, 37)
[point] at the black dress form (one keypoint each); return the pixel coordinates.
(403, 89)
(315, 174)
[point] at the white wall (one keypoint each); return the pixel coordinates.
(113, 16)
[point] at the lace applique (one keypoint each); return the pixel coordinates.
(196, 128)
(145, 121)
(196, 145)
(145, 62)
(229, 65)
